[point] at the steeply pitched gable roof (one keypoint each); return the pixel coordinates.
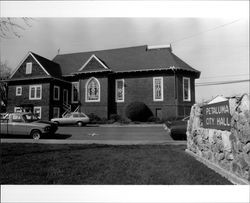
(51, 67)
(138, 58)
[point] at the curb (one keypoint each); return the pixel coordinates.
(130, 125)
(86, 142)
(228, 175)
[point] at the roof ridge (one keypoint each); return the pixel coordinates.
(101, 50)
(43, 57)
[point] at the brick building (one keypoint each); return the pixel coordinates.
(104, 83)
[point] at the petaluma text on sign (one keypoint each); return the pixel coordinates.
(217, 116)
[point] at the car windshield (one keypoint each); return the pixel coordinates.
(67, 115)
(30, 117)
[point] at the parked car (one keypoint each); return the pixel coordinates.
(26, 124)
(77, 118)
(177, 128)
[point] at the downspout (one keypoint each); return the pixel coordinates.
(175, 90)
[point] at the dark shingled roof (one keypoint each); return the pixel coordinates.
(51, 67)
(125, 60)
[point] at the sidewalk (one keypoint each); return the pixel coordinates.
(129, 125)
(105, 142)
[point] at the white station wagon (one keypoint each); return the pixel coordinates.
(77, 118)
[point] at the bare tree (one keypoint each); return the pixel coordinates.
(5, 72)
(11, 27)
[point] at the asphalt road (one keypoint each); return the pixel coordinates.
(113, 133)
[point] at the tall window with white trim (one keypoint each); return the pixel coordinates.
(186, 89)
(92, 90)
(56, 93)
(120, 90)
(75, 92)
(35, 92)
(18, 91)
(158, 88)
(29, 68)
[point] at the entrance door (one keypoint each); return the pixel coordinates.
(65, 96)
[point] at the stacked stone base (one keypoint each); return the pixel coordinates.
(229, 150)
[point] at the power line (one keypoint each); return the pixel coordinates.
(209, 30)
(225, 76)
(222, 82)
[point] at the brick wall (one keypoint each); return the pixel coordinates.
(59, 103)
(98, 108)
(141, 89)
(14, 100)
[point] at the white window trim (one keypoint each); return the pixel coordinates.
(58, 109)
(54, 95)
(35, 86)
(189, 89)
(123, 92)
(86, 92)
(30, 71)
(17, 109)
(40, 108)
(72, 91)
(162, 96)
(19, 87)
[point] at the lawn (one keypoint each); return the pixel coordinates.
(102, 164)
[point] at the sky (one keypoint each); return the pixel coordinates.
(217, 46)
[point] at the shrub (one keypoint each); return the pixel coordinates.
(154, 119)
(115, 117)
(94, 118)
(125, 120)
(138, 111)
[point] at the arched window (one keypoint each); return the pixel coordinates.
(92, 90)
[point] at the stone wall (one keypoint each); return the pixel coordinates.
(229, 150)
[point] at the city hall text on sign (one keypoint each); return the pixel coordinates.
(217, 116)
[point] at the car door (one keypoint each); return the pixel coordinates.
(17, 126)
(67, 119)
(4, 126)
(75, 118)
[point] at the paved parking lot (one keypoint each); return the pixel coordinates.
(149, 133)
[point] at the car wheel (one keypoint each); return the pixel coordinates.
(79, 124)
(56, 122)
(36, 134)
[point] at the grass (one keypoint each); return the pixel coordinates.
(102, 164)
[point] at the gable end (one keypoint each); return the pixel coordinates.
(93, 64)
(37, 68)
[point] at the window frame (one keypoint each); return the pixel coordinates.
(35, 96)
(54, 96)
(16, 109)
(72, 92)
(28, 69)
(154, 90)
(86, 90)
(58, 111)
(116, 90)
(21, 90)
(189, 89)
(40, 109)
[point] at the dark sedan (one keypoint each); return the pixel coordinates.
(177, 128)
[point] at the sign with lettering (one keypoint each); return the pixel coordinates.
(217, 116)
